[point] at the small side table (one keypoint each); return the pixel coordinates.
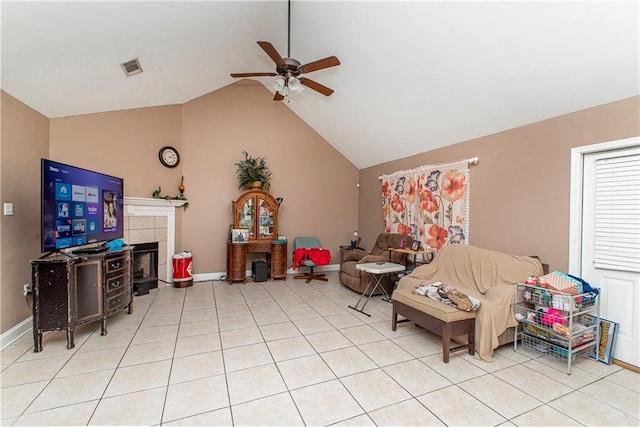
(407, 252)
(376, 271)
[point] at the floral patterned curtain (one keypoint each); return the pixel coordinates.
(430, 203)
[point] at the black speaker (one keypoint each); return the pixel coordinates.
(259, 271)
(141, 288)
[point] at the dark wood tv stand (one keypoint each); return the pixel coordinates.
(69, 291)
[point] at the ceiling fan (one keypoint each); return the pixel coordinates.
(289, 70)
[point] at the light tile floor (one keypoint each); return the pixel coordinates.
(287, 353)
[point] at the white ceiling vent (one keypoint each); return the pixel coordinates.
(131, 67)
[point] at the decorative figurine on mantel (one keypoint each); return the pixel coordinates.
(157, 194)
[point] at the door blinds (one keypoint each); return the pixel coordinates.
(617, 213)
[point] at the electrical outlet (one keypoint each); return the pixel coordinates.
(27, 289)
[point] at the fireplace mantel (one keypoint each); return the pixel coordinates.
(145, 201)
(142, 206)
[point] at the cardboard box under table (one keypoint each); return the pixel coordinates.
(435, 316)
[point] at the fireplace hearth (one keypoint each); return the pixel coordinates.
(145, 267)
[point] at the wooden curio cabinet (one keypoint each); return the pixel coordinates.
(256, 211)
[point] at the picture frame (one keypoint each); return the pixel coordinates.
(240, 235)
(415, 246)
(606, 340)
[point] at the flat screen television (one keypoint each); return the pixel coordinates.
(79, 206)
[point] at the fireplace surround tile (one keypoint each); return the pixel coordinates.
(162, 261)
(160, 222)
(142, 222)
(141, 236)
(160, 234)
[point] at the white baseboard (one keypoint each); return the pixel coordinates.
(16, 332)
(202, 277)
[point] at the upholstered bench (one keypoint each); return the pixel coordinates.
(436, 317)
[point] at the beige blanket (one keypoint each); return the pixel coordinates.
(487, 275)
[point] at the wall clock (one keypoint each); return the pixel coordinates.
(169, 156)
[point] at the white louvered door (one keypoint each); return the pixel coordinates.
(611, 242)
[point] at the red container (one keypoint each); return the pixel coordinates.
(182, 268)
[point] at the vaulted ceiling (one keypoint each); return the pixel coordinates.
(414, 76)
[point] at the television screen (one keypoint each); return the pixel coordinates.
(79, 206)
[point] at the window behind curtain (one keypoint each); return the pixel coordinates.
(430, 203)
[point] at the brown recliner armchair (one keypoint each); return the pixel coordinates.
(353, 278)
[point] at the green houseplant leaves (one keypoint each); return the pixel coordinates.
(252, 170)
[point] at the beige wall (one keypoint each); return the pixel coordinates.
(316, 182)
(520, 187)
(24, 141)
(122, 143)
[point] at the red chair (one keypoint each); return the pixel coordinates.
(307, 252)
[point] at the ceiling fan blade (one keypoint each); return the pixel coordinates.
(278, 97)
(273, 54)
(253, 74)
(320, 64)
(316, 86)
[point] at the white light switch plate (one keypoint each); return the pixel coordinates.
(8, 208)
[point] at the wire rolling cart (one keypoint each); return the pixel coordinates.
(556, 324)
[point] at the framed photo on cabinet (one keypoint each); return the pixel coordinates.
(239, 235)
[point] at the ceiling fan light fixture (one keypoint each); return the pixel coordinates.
(278, 85)
(294, 84)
